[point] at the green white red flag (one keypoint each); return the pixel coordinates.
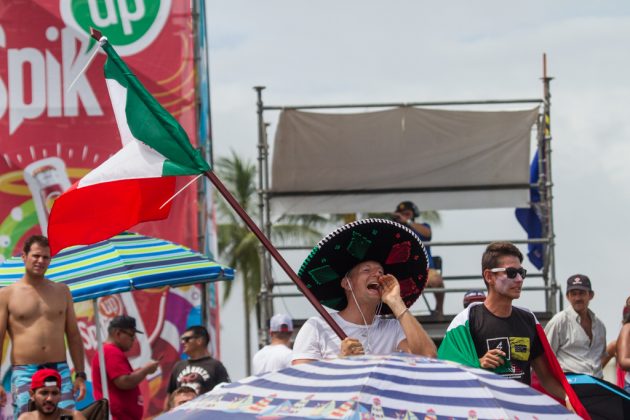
(135, 183)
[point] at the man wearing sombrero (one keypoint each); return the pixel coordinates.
(364, 270)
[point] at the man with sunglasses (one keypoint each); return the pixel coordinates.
(200, 371)
(497, 336)
(123, 381)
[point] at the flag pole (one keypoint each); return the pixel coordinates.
(274, 253)
(263, 239)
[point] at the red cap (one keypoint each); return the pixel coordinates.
(45, 377)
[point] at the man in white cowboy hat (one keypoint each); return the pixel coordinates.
(360, 269)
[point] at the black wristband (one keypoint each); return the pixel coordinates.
(81, 375)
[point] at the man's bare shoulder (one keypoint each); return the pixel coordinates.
(32, 415)
(29, 415)
(57, 286)
(6, 292)
(54, 286)
(47, 285)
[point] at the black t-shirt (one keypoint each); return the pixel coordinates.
(515, 335)
(202, 374)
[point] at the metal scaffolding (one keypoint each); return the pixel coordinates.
(553, 299)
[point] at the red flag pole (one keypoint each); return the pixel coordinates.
(263, 239)
(274, 253)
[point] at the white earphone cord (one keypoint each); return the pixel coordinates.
(367, 347)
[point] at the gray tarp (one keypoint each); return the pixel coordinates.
(368, 162)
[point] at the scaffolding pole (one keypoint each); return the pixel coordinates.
(544, 185)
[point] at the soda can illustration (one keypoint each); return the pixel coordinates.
(47, 180)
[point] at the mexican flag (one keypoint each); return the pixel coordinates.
(135, 183)
(458, 346)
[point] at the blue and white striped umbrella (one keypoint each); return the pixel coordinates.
(398, 386)
(126, 262)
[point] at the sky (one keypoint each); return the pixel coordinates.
(331, 52)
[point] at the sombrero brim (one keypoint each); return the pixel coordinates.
(396, 247)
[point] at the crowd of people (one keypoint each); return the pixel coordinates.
(369, 272)
(38, 314)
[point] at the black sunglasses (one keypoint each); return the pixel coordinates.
(186, 339)
(511, 272)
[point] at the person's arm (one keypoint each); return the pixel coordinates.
(422, 228)
(611, 351)
(4, 320)
(75, 345)
(132, 380)
(623, 347)
(172, 382)
(548, 381)
(553, 331)
(416, 341)
(77, 415)
(302, 361)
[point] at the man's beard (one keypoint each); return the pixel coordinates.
(46, 407)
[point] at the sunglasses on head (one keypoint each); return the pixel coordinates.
(511, 272)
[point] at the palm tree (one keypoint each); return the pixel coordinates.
(238, 246)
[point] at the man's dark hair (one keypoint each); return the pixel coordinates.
(494, 252)
(111, 330)
(35, 239)
(200, 331)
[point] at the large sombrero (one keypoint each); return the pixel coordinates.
(396, 247)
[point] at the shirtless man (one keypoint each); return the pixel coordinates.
(39, 314)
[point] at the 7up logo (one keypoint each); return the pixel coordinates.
(130, 25)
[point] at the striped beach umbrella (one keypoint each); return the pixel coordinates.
(126, 262)
(398, 386)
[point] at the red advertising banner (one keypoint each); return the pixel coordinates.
(56, 124)
(162, 316)
(52, 131)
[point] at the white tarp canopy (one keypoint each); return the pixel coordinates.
(368, 162)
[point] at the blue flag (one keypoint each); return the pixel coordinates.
(530, 220)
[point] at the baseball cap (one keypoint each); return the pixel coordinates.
(124, 322)
(281, 323)
(45, 377)
(474, 296)
(579, 282)
(408, 205)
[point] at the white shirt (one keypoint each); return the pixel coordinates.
(574, 349)
(271, 358)
(316, 340)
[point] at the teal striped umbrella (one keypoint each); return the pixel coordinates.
(126, 262)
